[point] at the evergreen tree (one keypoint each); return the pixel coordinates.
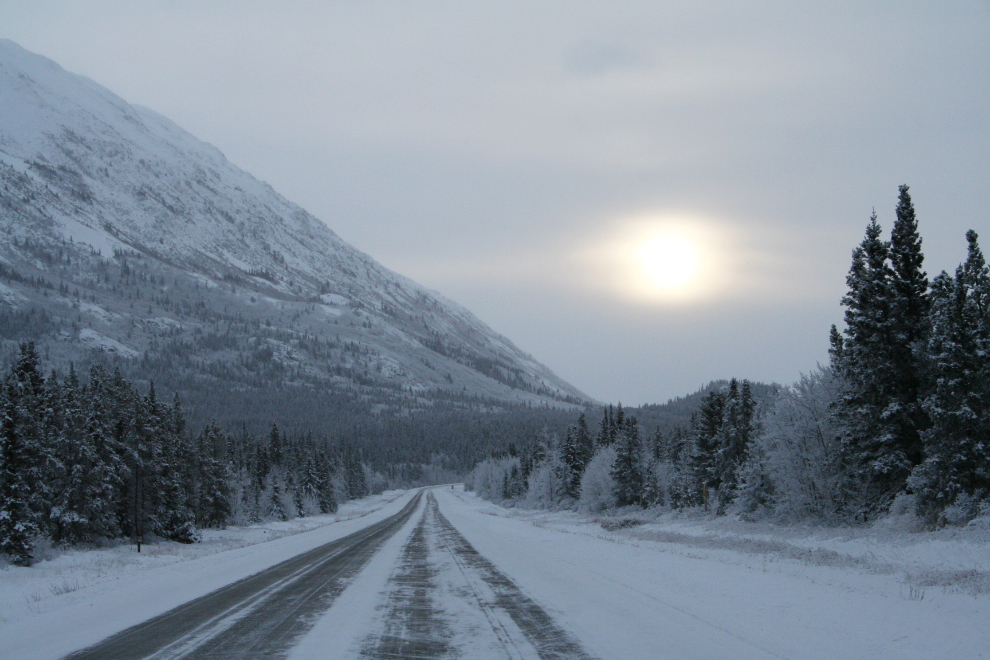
(357, 486)
(17, 522)
(573, 465)
(910, 328)
(67, 513)
(627, 470)
(275, 445)
(25, 377)
(958, 443)
(874, 448)
(607, 429)
(276, 508)
(327, 498)
(706, 425)
(214, 503)
(732, 440)
(585, 444)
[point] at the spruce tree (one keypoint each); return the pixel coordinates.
(606, 430)
(958, 443)
(326, 498)
(214, 502)
(874, 447)
(910, 328)
(585, 444)
(706, 425)
(732, 441)
(627, 470)
(25, 376)
(17, 522)
(276, 510)
(572, 463)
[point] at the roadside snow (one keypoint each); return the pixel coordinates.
(951, 558)
(686, 588)
(88, 595)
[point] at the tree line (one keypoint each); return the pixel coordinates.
(618, 466)
(97, 461)
(899, 418)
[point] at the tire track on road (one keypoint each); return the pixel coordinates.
(550, 640)
(260, 616)
(415, 626)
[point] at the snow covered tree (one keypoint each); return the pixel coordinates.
(794, 468)
(573, 459)
(597, 484)
(326, 496)
(958, 443)
(627, 471)
(875, 448)
(911, 324)
(706, 426)
(612, 421)
(275, 445)
(547, 483)
(357, 485)
(214, 505)
(585, 443)
(732, 440)
(18, 524)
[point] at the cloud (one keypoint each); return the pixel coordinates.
(592, 58)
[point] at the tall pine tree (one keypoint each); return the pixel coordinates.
(18, 523)
(910, 328)
(876, 455)
(958, 442)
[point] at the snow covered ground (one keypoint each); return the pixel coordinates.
(467, 578)
(725, 589)
(87, 595)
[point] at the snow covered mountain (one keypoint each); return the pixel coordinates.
(125, 235)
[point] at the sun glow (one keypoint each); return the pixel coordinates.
(662, 259)
(669, 261)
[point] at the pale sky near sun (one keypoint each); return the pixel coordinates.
(646, 196)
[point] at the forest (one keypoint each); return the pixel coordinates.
(898, 420)
(96, 461)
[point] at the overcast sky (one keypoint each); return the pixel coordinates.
(529, 159)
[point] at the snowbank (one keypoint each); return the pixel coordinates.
(91, 594)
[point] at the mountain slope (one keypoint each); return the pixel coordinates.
(128, 239)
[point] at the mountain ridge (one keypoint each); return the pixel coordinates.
(121, 207)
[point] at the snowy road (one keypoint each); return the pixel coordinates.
(259, 616)
(446, 575)
(441, 599)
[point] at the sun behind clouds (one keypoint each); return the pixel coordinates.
(676, 260)
(669, 261)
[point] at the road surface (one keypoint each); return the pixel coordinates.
(444, 575)
(266, 614)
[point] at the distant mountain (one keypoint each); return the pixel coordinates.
(127, 240)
